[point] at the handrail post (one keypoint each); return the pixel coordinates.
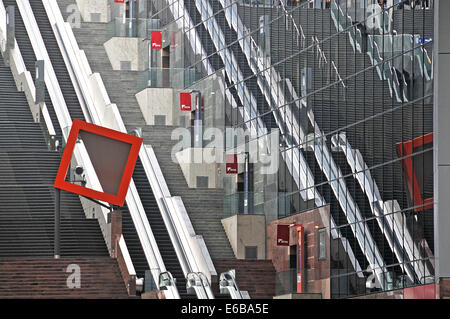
(57, 223)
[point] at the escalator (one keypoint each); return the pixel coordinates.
(75, 110)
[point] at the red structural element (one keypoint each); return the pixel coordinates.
(282, 235)
(406, 149)
(156, 37)
(115, 199)
(231, 166)
(300, 258)
(185, 101)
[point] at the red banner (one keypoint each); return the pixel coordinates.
(282, 235)
(156, 37)
(185, 101)
(231, 166)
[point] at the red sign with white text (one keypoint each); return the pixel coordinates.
(156, 37)
(231, 166)
(282, 235)
(185, 101)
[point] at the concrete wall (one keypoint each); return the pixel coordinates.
(132, 50)
(192, 165)
(160, 101)
(441, 156)
(246, 230)
(95, 10)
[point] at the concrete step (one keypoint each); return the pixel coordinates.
(47, 278)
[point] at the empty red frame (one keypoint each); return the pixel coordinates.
(407, 149)
(114, 199)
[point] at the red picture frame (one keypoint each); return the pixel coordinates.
(407, 149)
(114, 199)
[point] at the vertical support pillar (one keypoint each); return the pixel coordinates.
(10, 32)
(264, 30)
(246, 183)
(116, 230)
(198, 140)
(441, 127)
(305, 88)
(131, 23)
(39, 84)
(57, 237)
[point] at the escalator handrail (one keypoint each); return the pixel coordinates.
(193, 258)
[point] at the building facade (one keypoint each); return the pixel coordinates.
(349, 88)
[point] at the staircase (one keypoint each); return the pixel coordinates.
(47, 278)
(255, 276)
(27, 171)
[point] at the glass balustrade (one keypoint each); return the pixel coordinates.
(164, 78)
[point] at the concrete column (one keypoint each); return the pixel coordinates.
(116, 230)
(10, 32)
(441, 56)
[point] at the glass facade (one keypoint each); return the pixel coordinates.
(348, 84)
